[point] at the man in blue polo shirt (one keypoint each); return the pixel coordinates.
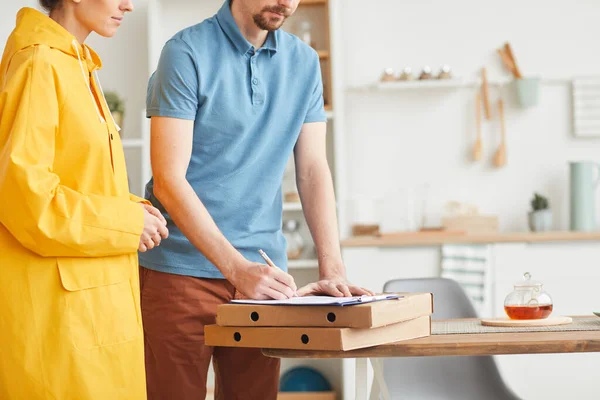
(230, 101)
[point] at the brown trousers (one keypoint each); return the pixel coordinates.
(175, 310)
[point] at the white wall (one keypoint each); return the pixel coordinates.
(405, 138)
(125, 65)
(8, 16)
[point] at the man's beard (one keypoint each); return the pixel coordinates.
(271, 24)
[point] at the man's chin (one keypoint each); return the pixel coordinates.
(271, 25)
(275, 27)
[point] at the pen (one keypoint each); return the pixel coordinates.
(270, 262)
(267, 259)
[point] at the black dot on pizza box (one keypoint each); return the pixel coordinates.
(305, 339)
(237, 336)
(254, 316)
(331, 317)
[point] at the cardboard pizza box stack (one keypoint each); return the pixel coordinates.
(322, 327)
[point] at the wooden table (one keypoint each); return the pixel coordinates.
(451, 345)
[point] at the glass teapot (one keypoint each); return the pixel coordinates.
(528, 300)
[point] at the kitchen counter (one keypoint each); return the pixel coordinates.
(439, 238)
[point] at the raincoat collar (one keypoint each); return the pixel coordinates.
(35, 28)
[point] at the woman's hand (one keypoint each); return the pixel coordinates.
(155, 228)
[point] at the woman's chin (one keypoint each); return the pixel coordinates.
(107, 32)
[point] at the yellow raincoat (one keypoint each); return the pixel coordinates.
(70, 321)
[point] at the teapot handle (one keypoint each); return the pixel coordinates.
(534, 298)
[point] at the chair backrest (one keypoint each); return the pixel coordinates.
(449, 299)
(449, 378)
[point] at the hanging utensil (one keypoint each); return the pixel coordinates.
(477, 148)
(511, 55)
(506, 60)
(486, 94)
(500, 156)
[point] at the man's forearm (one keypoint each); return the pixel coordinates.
(193, 219)
(315, 187)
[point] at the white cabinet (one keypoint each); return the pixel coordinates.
(372, 267)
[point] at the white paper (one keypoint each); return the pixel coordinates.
(321, 300)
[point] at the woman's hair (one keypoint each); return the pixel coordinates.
(50, 5)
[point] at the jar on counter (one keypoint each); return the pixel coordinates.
(426, 73)
(295, 242)
(305, 33)
(445, 72)
(406, 75)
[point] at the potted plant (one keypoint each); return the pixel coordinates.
(540, 217)
(116, 105)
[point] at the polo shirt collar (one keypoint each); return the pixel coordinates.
(243, 46)
(271, 42)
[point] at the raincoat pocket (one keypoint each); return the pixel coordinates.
(100, 306)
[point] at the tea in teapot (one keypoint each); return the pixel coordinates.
(528, 300)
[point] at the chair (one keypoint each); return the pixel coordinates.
(447, 378)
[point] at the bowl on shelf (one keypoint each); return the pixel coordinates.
(304, 379)
(292, 197)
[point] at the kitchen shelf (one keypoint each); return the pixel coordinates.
(454, 83)
(303, 264)
(416, 239)
(292, 206)
(323, 54)
(416, 84)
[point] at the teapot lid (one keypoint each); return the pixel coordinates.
(527, 282)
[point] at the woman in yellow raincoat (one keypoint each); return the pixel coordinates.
(70, 321)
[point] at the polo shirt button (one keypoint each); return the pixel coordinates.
(255, 81)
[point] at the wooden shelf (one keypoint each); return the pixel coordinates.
(323, 54)
(416, 239)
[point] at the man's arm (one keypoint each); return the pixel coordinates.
(315, 187)
(171, 151)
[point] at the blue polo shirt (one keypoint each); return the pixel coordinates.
(248, 108)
